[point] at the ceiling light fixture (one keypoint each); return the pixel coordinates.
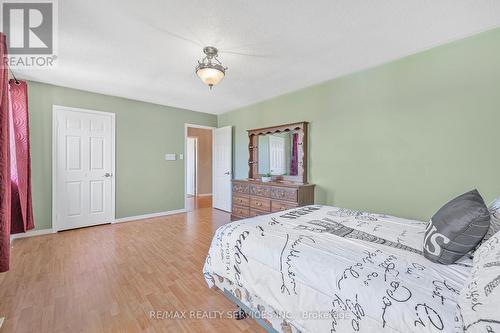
(210, 70)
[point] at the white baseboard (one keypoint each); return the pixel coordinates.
(205, 195)
(148, 216)
(47, 231)
(32, 233)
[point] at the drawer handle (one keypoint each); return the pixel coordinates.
(259, 203)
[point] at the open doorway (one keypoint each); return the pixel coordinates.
(198, 166)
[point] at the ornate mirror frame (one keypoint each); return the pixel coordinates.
(253, 150)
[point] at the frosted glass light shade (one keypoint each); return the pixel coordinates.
(210, 76)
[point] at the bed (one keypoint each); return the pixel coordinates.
(329, 269)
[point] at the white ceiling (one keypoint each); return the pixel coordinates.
(147, 50)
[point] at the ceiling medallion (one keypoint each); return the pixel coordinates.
(210, 70)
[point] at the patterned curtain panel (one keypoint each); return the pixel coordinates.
(5, 198)
(21, 208)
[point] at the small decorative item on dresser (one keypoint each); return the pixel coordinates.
(266, 178)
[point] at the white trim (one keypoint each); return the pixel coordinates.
(148, 216)
(56, 108)
(204, 195)
(199, 126)
(69, 108)
(195, 165)
(186, 126)
(32, 233)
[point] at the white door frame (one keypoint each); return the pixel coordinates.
(186, 126)
(55, 226)
(195, 139)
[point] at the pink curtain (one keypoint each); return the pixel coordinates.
(5, 195)
(22, 210)
(294, 163)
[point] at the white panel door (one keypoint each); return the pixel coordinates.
(191, 162)
(276, 155)
(222, 159)
(83, 168)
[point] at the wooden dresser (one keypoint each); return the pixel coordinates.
(254, 197)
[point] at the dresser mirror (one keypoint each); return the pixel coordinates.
(279, 152)
(277, 176)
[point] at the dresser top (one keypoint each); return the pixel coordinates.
(281, 183)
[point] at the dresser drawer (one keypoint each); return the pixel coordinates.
(284, 193)
(241, 200)
(260, 190)
(241, 211)
(240, 188)
(256, 212)
(260, 203)
(278, 206)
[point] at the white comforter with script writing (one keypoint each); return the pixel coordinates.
(329, 269)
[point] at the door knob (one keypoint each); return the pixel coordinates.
(108, 174)
(227, 173)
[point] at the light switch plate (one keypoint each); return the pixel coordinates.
(170, 157)
(181, 156)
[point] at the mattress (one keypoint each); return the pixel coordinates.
(329, 269)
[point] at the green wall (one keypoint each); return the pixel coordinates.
(400, 138)
(145, 182)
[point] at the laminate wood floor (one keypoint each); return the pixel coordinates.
(110, 278)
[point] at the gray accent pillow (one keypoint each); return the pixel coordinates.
(494, 209)
(479, 300)
(456, 228)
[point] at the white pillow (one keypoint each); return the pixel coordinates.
(479, 300)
